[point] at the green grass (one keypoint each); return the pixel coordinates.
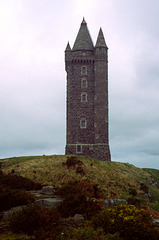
(114, 178)
(15, 160)
(154, 173)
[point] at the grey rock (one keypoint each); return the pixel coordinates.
(114, 202)
(8, 214)
(155, 185)
(78, 218)
(147, 196)
(49, 202)
(48, 190)
(156, 221)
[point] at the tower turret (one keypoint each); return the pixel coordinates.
(68, 54)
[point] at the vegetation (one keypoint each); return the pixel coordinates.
(12, 198)
(78, 204)
(19, 182)
(114, 178)
(130, 222)
(13, 191)
(82, 183)
(89, 233)
(34, 220)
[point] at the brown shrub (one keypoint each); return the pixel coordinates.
(73, 161)
(19, 182)
(38, 221)
(84, 187)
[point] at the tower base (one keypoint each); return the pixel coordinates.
(97, 151)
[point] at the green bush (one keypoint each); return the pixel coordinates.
(78, 204)
(19, 182)
(130, 222)
(13, 197)
(37, 221)
(88, 233)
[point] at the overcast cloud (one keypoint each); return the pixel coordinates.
(33, 37)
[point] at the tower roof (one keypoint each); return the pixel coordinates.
(100, 40)
(83, 40)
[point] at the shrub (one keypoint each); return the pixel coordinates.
(19, 182)
(143, 187)
(131, 223)
(34, 220)
(88, 233)
(134, 201)
(83, 187)
(72, 161)
(78, 204)
(132, 192)
(13, 197)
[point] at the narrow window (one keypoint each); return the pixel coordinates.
(83, 123)
(84, 97)
(84, 70)
(78, 148)
(84, 82)
(91, 147)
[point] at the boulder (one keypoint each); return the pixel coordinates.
(49, 202)
(48, 190)
(78, 218)
(8, 214)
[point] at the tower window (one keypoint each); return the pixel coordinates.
(84, 97)
(91, 147)
(78, 148)
(84, 70)
(83, 123)
(84, 82)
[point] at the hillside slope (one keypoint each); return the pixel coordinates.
(114, 178)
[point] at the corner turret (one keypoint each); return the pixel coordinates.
(68, 55)
(101, 40)
(101, 47)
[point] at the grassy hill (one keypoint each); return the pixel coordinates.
(114, 178)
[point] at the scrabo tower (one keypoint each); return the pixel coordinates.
(87, 96)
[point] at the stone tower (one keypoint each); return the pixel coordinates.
(87, 96)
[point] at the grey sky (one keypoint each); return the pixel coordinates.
(33, 37)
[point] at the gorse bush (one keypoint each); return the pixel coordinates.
(38, 221)
(78, 204)
(130, 222)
